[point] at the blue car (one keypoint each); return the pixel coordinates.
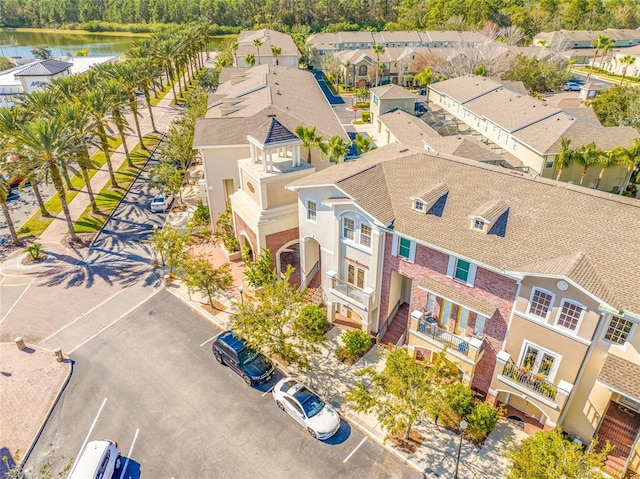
(249, 364)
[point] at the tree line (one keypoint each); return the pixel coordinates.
(327, 15)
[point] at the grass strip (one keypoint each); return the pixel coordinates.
(161, 94)
(35, 225)
(108, 199)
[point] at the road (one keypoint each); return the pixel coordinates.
(150, 382)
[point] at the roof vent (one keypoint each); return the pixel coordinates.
(271, 115)
(404, 150)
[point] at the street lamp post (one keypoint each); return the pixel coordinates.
(241, 289)
(463, 427)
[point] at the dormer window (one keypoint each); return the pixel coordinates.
(478, 225)
(431, 201)
(418, 206)
(490, 218)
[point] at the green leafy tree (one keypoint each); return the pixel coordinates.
(199, 274)
(209, 80)
(403, 393)
(82, 53)
(167, 178)
(309, 139)
(550, 455)
(34, 250)
(617, 106)
(170, 245)
(362, 93)
(312, 322)
(565, 158)
(259, 271)
(6, 63)
(356, 343)
(224, 231)
(270, 321)
(538, 75)
(424, 77)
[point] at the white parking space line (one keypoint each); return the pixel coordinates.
(354, 451)
(210, 339)
(17, 301)
(82, 316)
(102, 330)
(266, 392)
(126, 462)
(95, 420)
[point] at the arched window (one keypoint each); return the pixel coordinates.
(362, 70)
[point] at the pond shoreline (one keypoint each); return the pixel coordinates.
(74, 32)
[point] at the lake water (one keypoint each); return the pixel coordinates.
(61, 44)
(20, 44)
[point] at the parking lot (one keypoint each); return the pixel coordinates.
(151, 383)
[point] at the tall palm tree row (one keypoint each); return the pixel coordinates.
(47, 136)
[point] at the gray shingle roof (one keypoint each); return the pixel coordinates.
(248, 97)
(392, 91)
(273, 132)
(621, 375)
(44, 68)
(552, 228)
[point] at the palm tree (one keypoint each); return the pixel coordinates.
(98, 104)
(309, 139)
(165, 52)
(4, 194)
(11, 120)
(276, 52)
(257, 43)
(599, 42)
(626, 60)
(378, 50)
(128, 76)
(147, 82)
(234, 49)
(77, 118)
(629, 157)
(335, 148)
(608, 45)
(606, 160)
(119, 98)
(250, 59)
(565, 157)
(47, 141)
(587, 156)
(363, 143)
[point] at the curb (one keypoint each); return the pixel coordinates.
(203, 312)
(53, 406)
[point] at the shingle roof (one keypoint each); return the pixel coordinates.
(459, 296)
(491, 210)
(392, 91)
(408, 129)
(248, 98)
(552, 228)
(465, 88)
(269, 38)
(621, 375)
(44, 68)
(273, 132)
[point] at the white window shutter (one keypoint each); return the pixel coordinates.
(451, 266)
(471, 278)
(394, 246)
(412, 252)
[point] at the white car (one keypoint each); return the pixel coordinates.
(99, 459)
(572, 86)
(303, 405)
(161, 203)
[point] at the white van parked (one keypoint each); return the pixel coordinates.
(98, 460)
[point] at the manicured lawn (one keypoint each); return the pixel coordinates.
(108, 199)
(35, 225)
(161, 94)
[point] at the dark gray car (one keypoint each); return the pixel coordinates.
(252, 366)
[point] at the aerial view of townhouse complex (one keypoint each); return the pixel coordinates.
(415, 230)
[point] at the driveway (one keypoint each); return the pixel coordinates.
(150, 382)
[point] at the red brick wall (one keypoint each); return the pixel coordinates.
(489, 286)
(241, 226)
(276, 241)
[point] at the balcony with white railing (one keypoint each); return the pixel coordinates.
(346, 292)
(426, 328)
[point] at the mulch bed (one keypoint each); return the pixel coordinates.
(85, 240)
(410, 446)
(28, 260)
(217, 307)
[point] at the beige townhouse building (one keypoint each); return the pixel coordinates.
(530, 129)
(526, 285)
(289, 55)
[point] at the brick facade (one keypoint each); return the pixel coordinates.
(490, 287)
(242, 227)
(277, 240)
